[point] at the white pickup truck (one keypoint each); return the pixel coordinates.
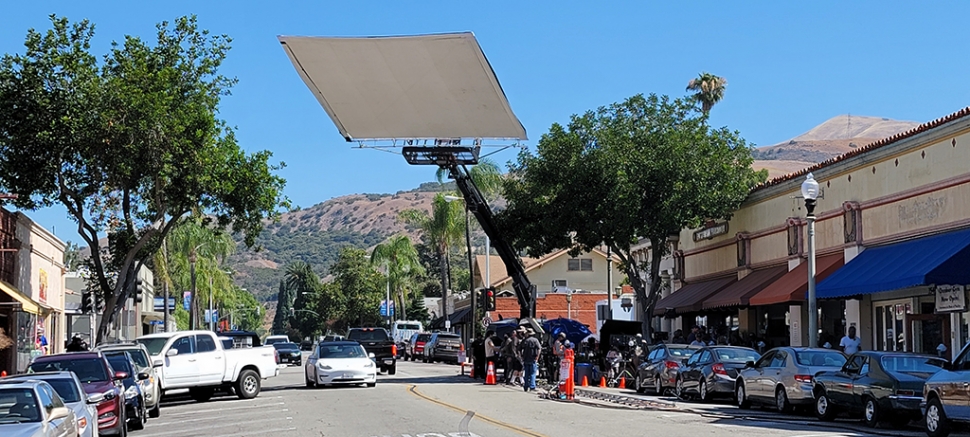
(197, 361)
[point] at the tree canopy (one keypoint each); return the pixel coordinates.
(645, 167)
(129, 142)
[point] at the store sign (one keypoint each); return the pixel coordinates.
(950, 298)
(711, 232)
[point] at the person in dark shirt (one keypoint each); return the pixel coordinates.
(76, 345)
(531, 350)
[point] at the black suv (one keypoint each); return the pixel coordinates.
(443, 346)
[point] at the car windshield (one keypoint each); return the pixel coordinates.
(732, 355)
(119, 361)
(65, 388)
(911, 364)
(18, 405)
(368, 335)
(154, 345)
(681, 352)
(820, 358)
(86, 369)
(285, 346)
(410, 326)
(342, 351)
(423, 337)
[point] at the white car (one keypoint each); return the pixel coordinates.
(69, 388)
(340, 362)
(196, 360)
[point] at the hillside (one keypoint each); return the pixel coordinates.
(834, 137)
(316, 235)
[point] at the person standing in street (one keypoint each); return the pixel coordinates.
(559, 350)
(530, 349)
(850, 343)
(491, 350)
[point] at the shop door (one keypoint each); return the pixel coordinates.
(927, 332)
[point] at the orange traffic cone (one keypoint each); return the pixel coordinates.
(490, 374)
(3, 374)
(622, 382)
(471, 373)
(602, 382)
(585, 382)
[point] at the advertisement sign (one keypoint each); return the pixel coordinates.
(950, 298)
(43, 286)
(160, 303)
(384, 308)
(187, 300)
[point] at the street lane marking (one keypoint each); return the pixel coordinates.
(216, 410)
(222, 416)
(220, 425)
(413, 390)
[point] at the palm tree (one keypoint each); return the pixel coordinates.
(486, 175)
(708, 89)
(402, 262)
(444, 228)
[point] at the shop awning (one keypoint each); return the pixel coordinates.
(690, 297)
(26, 303)
(739, 293)
(940, 259)
(461, 316)
(792, 286)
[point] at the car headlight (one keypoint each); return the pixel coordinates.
(324, 366)
(82, 423)
(131, 392)
(369, 365)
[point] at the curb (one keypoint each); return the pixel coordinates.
(630, 401)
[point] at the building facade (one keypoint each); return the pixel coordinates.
(892, 250)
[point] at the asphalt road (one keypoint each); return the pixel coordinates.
(431, 400)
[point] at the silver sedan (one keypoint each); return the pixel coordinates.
(71, 391)
(783, 376)
(33, 409)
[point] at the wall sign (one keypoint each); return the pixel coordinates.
(950, 298)
(711, 232)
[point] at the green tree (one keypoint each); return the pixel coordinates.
(284, 301)
(443, 229)
(72, 257)
(419, 311)
(708, 90)
(403, 265)
(644, 167)
(304, 282)
(128, 144)
(361, 289)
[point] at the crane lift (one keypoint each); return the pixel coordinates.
(454, 159)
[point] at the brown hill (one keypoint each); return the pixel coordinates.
(834, 137)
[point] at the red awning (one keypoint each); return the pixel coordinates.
(689, 298)
(793, 285)
(739, 293)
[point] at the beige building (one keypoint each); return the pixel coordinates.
(556, 271)
(892, 243)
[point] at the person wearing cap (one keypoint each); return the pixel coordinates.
(530, 348)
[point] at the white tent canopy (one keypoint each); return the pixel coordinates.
(405, 87)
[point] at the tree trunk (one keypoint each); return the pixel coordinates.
(404, 311)
(442, 258)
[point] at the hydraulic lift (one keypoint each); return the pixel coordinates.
(455, 159)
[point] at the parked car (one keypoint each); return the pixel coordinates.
(662, 367)
(151, 387)
(69, 388)
(135, 409)
(340, 362)
(881, 386)
(197, 361)
(96, 376)
(415, 349)
(289, 353)
(33, 409)
(783, 376)
(401, 332)
(443, 346)
(946, 396)
(276, 339)
(378, 342)
(712, 371)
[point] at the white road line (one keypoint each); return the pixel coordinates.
(228, 414)
(261, 432)
(220, 425)
(216, 410)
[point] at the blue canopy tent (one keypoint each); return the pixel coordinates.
(575, 332)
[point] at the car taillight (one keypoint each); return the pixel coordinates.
(906, 392)
(393, 349)
(276, 354)
(719, 369)
(672, 365)
(803, 378)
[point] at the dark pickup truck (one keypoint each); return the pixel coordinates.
(378, 342)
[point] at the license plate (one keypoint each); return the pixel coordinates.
(348, 375)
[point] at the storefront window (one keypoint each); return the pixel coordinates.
(26, 340)
(890, 324)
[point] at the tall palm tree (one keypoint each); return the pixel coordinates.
(708, 89)
(402, 262)
(442, 229)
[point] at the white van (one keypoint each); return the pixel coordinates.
(402, 330)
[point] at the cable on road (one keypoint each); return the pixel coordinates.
(469, 414)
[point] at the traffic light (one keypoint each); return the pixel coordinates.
(489, 299)
(87, 302)
(98, 302)
(139, 290)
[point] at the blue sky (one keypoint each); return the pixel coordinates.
(790, 66)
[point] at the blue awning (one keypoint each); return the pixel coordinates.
(939, 259)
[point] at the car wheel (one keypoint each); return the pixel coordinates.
(156, 412)
(741, 397)
(309, 384)
(823, 407)
(123, 431)
(679, 391)
(247, 386)
(937, 425)
(201, 394)
(781, 400)
(138, 423)
(658, 386)
(702, 391)
(639, 384)
(371, 384)
(392, 370)
(871, 413)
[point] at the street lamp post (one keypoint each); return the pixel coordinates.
(810, 193)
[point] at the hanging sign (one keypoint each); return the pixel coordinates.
(950, 298)
(711, 232)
